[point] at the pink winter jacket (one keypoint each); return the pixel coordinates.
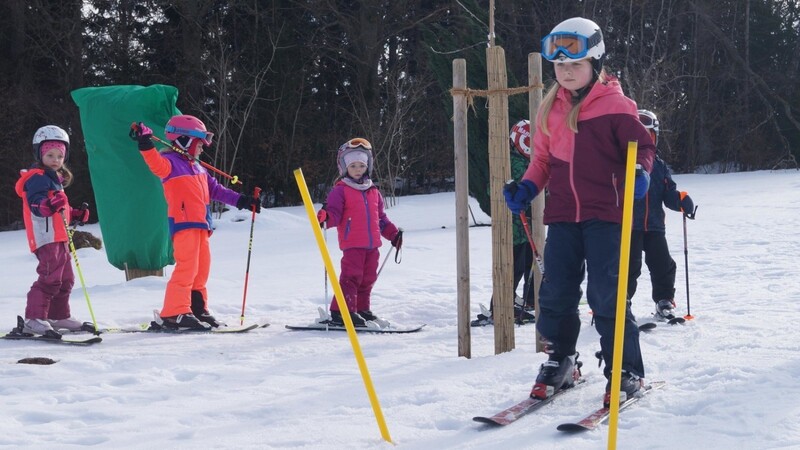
(585, 171)
(358, 217)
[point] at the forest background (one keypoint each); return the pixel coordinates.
(282, 83)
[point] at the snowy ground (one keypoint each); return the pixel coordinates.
(731, 371)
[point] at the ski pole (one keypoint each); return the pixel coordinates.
(325, 272)
(686, 215)
(536, 255)
(78, 268)
(396, 255)
(256, 194)
(383, 263)
(234, 178)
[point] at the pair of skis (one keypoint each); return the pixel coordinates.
(153, 327)
(324, 323)
(590, 422)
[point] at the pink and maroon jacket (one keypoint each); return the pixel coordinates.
(584, 172)
(358, 216)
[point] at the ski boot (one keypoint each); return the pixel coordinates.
(629, 387)
(665, 310)
(558, 372)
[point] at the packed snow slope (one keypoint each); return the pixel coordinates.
(731, 372)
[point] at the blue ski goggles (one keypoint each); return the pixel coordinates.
(571, 45)
(205, 136)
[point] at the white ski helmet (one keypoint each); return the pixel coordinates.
(650, 121)
(520, 137)
(576, 38)
(49, 133)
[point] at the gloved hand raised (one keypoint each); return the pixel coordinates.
(519, 195)
(249, 202)
(641, 183)
(687, 205)
(142, 134)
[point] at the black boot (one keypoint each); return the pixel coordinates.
(558, 372)
(630, 385)
(200, 312)
(336, 319)
(184, 321)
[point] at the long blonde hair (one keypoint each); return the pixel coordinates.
(550, 98)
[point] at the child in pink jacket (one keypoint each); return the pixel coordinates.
(355, 207)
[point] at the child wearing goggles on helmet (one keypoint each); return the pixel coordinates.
(355, 207)
(189, 190)
(649, 232)
(579, 153)
(46, 213)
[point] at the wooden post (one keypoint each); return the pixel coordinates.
(500, 172)
(537, 212)
(462, 206)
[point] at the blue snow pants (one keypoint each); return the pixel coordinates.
(574, 249)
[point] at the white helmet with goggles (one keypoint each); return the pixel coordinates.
(576, 38)
(650, 121)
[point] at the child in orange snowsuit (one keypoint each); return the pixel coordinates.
(188, 189)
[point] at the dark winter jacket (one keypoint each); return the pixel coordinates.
(34, 187)
(648, 215)
(585, 171)
(518, 165)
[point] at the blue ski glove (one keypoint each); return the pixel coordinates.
(519, 195)
(641, 183)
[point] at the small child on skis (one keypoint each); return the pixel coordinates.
(355, 207)
(649, 231)
(520, 154)
(46, 213)
(188, 189)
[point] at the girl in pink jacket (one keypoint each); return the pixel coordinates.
(355, 207)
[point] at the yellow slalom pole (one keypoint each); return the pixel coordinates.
(337, 289)
(622, 292)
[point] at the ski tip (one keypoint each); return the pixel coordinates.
(647, 326)
(486, 421)
(572, 428)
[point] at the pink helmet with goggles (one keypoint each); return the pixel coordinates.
(186, 125)
(354, 145)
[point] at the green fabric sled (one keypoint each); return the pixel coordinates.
(130, 199)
